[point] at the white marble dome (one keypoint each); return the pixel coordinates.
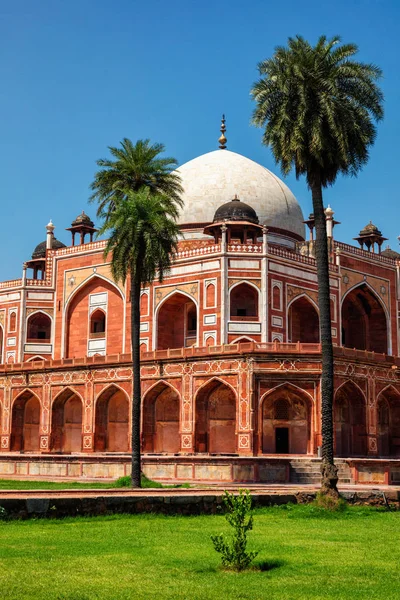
(214, 178)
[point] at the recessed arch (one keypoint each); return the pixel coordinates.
(39, 327)
(244, 301)
(66, 421)
(161, 417)
(176, 321)
(112, 420)
(350, 420)
(365, 322)
(388, 422)
(36, 357)
(78, 338)
(25, 422)
(303, 320)
(97, 322)
(215, 421)
(285, 420)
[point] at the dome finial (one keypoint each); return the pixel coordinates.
(222, 140)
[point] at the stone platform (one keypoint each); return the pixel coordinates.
(198, 468)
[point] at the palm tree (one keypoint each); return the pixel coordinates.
(135, 165)
(317, 107)
(143, 238)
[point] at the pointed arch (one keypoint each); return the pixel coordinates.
(303, 320)
(176, 319)
(365, 320)
(350, 420)
(36, 357)
(215, 417)
(285, 419)
(111, 433)
(39, 327)
(244, 301)
(25, 422)
(388, 421)
(161, 419)
(66, 421)
(78, 339)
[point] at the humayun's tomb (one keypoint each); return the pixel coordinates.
(230, 349)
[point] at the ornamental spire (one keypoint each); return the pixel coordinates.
(222, 140)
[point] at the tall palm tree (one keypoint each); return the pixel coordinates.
(135, 165)
(143, 238)
(318, 107)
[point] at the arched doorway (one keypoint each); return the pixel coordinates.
(243, 303)
(350, 421)
(215, 430)
(25, 423)
(66, 423)
(161, 420)
(364, 324)
(112, 421)
(303, 322)
(176, 322)
(388, 419)
(286, 427)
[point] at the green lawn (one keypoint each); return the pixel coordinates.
(354, 555)
(21, 484)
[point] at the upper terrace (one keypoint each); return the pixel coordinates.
(269, 349)
(210, 249)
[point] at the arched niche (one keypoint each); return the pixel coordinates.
(210, 295)
(66, 423)
(112, 421)
(243, 299)
(349, 413)
(215, 430)
(12, 323)
(176, 322)
(25, 423)
(388, 421)
(38, 328)
(364, 323)
(286, 421)
(303, 322)
(78, 318)
(161, 408)
(97, 323)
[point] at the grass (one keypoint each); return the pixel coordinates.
(304, 553)
(122, 482)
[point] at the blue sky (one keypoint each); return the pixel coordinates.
(78, 76)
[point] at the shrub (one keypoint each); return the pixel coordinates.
(3, 513)
(233, 552)
(330, 503)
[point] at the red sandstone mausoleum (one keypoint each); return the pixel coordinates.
(231, 359)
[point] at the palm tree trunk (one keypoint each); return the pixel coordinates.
(136, 399)
(328, 468)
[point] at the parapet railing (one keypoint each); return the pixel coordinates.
(365, 254)
(201, 352)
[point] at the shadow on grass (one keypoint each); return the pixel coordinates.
(269, 565)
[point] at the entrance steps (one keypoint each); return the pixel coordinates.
(309, 470)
